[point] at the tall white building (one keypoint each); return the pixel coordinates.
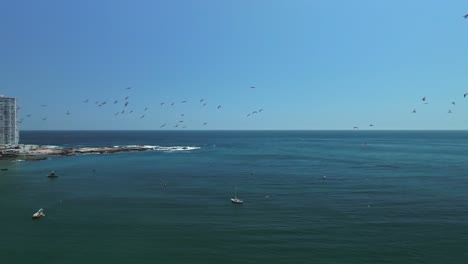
(9, 130)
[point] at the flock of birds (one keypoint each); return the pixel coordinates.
(424, 101)
(125, 110)
(202, 102)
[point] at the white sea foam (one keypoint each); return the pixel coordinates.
(170, 148)
(52, 147)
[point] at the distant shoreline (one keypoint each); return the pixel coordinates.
(35, 152)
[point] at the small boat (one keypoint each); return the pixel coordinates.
(235, 199)
(38, 214)
(52, 175)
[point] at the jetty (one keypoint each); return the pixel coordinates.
(35, 152)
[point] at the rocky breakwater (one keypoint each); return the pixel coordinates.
(47, 151)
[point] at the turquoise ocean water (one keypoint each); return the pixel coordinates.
(309, 197)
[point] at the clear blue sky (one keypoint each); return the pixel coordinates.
(319, 64)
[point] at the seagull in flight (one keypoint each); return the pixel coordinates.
(424, 98)
(449, 111)
(205, 123)
(183, 102)
(68, 112)
(126, 98)
(142, 116)
(465, 94)
(28, 115)
(201, 100)
(43, 105)
(355, 127)
(116, 101)
(126, 103)
(85, 101)
(146, 108)
(252, 87)
(44, 119)
(128, 88)
(219, 106)
(414, 111)
(162, 103)
(172, 104)
(465, 16)
(204, 104)
(163, 125)
(371, 125)
(453, 103)
(260, 110)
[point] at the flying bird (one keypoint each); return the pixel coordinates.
(116, 114)
(28, 115)
(163, 125)
(449, 111)
(68, 112)
(205, 123)
(126, 103)
(453, 103)
(126, 98)
(44, 119)
(201, 100)
(182, 115)
(355, 127)
(252, 87)
(115, 101)
(260, 110)
(183, 102)
(43, 105)
(128, 88)
(465, 16)
(219, 106)
(123, 112)
(414, 111)
(162, 104)
(371, 125)
(142, 116)
(146, 108)
(204, 104)
(424, 98)
(248, 115)
(465, 94)
(85, 101)
(172, 104)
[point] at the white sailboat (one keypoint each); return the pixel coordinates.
(235, 199)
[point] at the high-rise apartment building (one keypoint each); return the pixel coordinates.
(9, 130)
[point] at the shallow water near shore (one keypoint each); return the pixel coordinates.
(309, 197)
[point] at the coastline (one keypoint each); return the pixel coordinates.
(36, 152)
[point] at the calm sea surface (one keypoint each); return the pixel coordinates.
(309, 197)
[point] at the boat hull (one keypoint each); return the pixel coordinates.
(236, 201)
